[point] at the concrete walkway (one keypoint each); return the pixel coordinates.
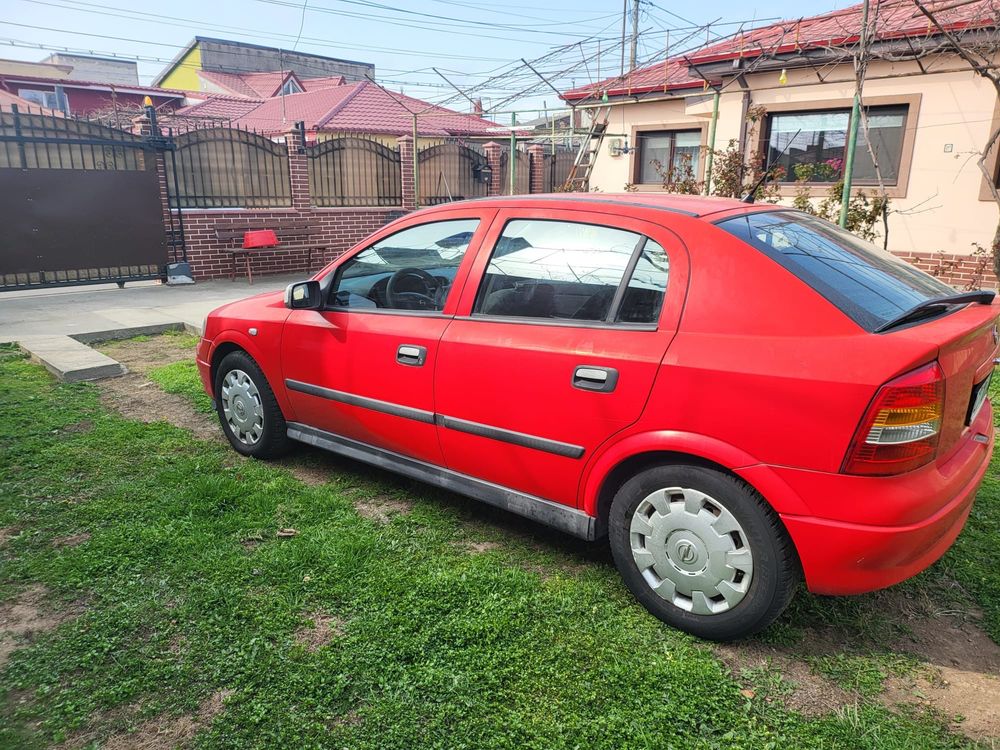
(53, 324)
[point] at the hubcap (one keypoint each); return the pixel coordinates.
(241, 407)
(691, 550)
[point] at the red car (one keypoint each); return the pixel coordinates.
(736, 395)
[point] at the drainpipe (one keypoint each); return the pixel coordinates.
(711, 143)
(852, 138)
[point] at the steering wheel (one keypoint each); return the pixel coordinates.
(408, 299)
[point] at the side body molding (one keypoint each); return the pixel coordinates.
(561, 517)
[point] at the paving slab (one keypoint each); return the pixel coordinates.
(69, 360)
(84, 312)
(55, 325)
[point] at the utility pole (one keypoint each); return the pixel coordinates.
(635, 35)
(852, 135)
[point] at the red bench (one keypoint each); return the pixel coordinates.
(293, 236)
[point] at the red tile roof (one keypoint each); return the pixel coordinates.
(254, 85)
(216, 107)
(153, 91)
(314, 84)
(668, 76)
(361, 108)
(894, 19)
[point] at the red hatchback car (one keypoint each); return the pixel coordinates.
(736, 395)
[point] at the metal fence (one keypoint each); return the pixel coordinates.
(450, 172)
(222, 167)
(558, 168)
(522, 173)
(354, 171)
(47, 141)
(79, 203)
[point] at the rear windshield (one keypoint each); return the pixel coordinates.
(869, 285)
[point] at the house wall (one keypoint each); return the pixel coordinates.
(184, 74)
(100, 69)
(943, 206)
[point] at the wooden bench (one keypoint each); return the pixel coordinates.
(293, 235)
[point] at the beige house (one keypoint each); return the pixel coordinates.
(928, 116)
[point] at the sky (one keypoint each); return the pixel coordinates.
(477, 45)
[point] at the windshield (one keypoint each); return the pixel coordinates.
(871, 286)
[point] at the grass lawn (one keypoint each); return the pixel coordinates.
(157, 590)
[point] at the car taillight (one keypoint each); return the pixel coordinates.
(900, 430)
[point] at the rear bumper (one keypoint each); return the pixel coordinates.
(842, 556)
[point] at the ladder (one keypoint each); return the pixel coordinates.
(579, 174)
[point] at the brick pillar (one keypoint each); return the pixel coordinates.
(538, 168)
(298, 171)
(407, 177)
(493, 151)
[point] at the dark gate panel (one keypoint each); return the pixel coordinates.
(87, 225)
(79, 203)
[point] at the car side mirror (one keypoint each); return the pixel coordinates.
(303, 295)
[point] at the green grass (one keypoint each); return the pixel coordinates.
(440, 648)
(182, 378)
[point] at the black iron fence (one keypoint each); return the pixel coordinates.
(79, 203)
(354, 171)
(452, 171)
(226, 167)
(48, 141)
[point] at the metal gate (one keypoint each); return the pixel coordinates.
(80, 203)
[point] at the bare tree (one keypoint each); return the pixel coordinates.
(979, 46)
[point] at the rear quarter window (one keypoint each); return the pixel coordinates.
(871, 286)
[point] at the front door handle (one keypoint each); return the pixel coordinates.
(411, 354)
(593, 378)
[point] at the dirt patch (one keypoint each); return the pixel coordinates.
(162, 733)
(77, 427)
(969, 700)
(142, 356)
(324, 629)
(72, 540)
(7, 533)
(799, 689)
(382, 508)
(29, 613)
(951, 640)
(136, 398)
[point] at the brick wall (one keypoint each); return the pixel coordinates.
(960, 271)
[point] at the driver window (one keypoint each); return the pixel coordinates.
(412, 269)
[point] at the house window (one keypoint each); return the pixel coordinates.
(812, 146)
(668, 155)
(290, 87)
(47, 99)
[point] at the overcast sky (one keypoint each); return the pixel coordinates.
(469, 41)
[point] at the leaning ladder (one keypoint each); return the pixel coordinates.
(579, 174)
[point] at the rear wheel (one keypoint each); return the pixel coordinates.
(248, 411)
(702, 551)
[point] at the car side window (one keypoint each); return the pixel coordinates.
(572, 271)
(412, 269)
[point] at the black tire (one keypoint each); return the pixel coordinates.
(775, 567)
(273, 438)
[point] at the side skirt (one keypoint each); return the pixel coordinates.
(558, 516)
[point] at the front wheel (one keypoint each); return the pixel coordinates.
(248, 411)
(702, 551)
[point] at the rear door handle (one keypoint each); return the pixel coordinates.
(594, 378)
(411, 354)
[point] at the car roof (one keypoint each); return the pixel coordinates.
(689, 205)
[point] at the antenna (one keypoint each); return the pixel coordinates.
(749, 197)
